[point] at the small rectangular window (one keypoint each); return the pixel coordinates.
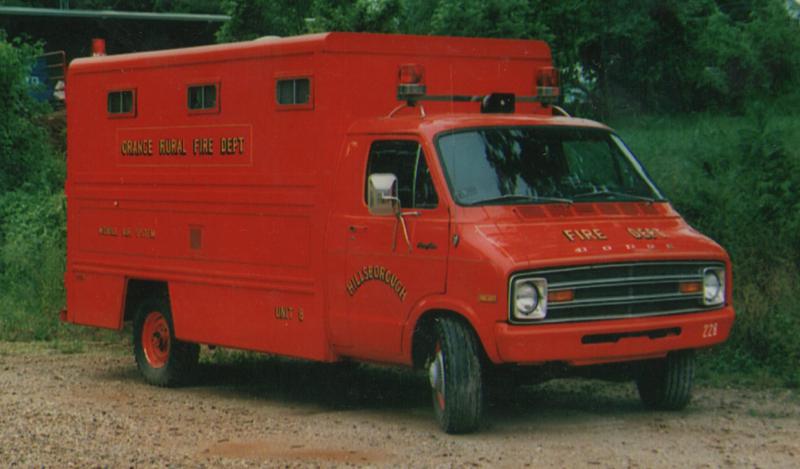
(294, 91)
(202, 97)
(121, 102)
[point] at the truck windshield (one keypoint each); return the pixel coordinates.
(517, 165)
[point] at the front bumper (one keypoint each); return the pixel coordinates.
(588, 343)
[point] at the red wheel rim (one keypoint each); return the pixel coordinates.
(155, 339)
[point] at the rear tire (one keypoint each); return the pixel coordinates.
(666, 384)
(162, 360)
(455, 375)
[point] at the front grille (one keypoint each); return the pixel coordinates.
(614, 291)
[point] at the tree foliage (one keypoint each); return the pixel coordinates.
(653, 55)
(26, 158)
(380, 16)
(251, 19)
(31, 201)
(618, 55)
(178, 6)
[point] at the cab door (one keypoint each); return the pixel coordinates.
(394, 261)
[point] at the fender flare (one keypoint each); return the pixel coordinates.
(483, 329)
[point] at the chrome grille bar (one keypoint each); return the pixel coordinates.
(626, 290)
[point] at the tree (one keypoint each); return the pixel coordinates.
(251, 19)
(26, 157)
(658, 55)
(486, 18)
(376, 16)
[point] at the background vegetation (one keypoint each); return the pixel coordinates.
(31, 204)
(705, 91)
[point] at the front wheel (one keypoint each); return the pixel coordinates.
(455, 375)
(162, 360)
(666, 384)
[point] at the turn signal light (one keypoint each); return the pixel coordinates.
(560, 296)
(688, 288)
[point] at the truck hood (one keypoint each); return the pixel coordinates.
(536, 236)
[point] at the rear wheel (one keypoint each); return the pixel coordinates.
(455, 375)
(162, 360)
(666, 384)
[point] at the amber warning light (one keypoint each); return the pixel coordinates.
(560, 296)
(688, 288)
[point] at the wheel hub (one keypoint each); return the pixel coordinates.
(156, 339)
(436, 376)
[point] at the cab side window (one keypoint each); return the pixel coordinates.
(406, 160)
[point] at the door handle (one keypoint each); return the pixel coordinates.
(426, 246)
(356, 228)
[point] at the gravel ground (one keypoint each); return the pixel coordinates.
(91, 409)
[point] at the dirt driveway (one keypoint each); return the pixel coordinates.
(92, 409)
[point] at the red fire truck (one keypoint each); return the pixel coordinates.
(394, 199)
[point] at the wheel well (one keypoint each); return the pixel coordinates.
(424, 337)
(139, 290)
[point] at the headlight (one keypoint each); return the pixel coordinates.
(529, 299)
(713, 286)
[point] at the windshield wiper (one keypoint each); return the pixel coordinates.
(607, 192)
(520, 197)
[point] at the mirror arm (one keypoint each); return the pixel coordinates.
(394, 199)
(401, 221)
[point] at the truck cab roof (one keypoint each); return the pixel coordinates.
(411, 122)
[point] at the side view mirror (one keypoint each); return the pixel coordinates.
(382, 194)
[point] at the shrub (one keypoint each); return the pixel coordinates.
(32, 216)
(32, 257)
(736, 180)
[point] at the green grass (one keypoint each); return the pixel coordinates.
(737, 180)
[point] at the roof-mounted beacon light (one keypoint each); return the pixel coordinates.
(98, 47)
(410, 82)
(411, 89)
(547, 90)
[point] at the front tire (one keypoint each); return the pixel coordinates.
(666, 384)
(455, 375)
(162, 359)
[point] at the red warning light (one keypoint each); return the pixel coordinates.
(410, 82)
(547, 89)
(411, 74)
(98, 47)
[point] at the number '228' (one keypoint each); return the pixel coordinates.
(710, 330)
